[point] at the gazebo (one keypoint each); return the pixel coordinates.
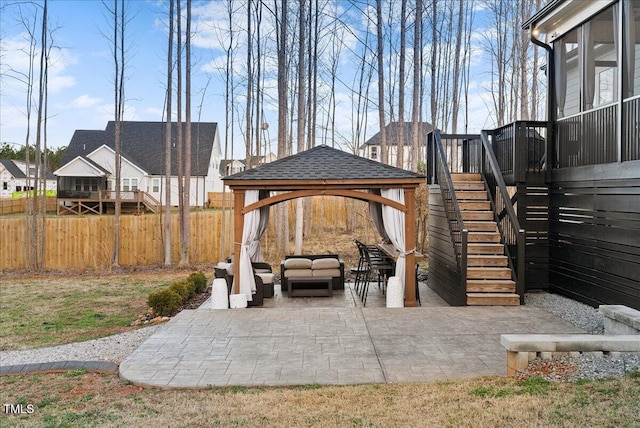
(323, 170)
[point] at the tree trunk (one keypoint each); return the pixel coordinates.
(168, 143)
(456, 70)
(247, 144)
(381, 115)
(417, 73)
(301, 120)
(186, 203)
(281, 226)
(401, 136)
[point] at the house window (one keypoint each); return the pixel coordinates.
(631, 40)
(587, 65)
(5, 185)
(129, 184)
(155, 185)
(86, 184)
(373, 153)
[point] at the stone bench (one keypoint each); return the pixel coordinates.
(620, 319)
(523, 348)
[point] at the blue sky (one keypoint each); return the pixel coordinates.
(81, 76)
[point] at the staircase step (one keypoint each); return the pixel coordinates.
(468, 185)
(466, 177)
(473, 195)
(481, 226)
(484, 237)
(482, 286)
(476, 215)
(488, 273)
(481, 260)
(474, 205)
(485, 248)
(493, 299)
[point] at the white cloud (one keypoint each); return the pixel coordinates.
(84, 101)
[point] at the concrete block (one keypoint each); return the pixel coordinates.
(575, 354)
(582, 343)
(546, 355)
(596, 354)
(620, 319)
(621, 343)
(528, 342)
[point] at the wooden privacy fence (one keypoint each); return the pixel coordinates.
(87, 242)
(82, 242)
(19, 205)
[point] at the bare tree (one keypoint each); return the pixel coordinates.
(456, 69)
(403, 29)
(381, 115)
(248, 145)
(168, 143)
(282, 214)
(186, 235)
(416, 93)
(229, 115)
(301, 119)
(118, 16)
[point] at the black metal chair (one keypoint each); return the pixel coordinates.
(374, 261)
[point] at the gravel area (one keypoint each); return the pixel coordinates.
(586, 366)
(111, 348)
(583, 316)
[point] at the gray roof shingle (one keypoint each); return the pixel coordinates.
(392, 131)
(323, 163)
(17, 172)
(143, 143)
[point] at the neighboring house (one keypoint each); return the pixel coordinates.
(371, 148)
(571, 226)
(87, 174)
(14, 177)
(233, 166)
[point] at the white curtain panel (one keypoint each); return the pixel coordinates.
(255, 252)
(394, 226)
(250, 245)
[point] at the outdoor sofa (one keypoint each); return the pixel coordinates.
(313, 265)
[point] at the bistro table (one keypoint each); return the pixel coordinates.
(391, 251)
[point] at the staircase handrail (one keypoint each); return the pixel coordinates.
(442, 176)
(516, 233)
(149, 200)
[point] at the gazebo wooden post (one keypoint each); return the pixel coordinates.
(410, 246)
(238, 225)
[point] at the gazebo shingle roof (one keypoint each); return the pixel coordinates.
(323, 163)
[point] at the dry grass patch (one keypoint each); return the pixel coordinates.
(43, 311)
(89, 399)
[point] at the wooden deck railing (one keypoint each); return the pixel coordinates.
(520, 149)
(442, 176)
(513, 236)
(631, 132)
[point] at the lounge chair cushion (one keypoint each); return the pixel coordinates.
(334, 273)
(297, 263)
(328, 263)
(290, 273)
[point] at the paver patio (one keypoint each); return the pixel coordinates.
(332, 341)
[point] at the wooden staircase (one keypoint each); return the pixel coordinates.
(489, 279)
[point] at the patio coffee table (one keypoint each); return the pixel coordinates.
(311, 286)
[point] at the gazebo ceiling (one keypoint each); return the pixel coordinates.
(321, 167)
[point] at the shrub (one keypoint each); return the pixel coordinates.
(199, 281)
(165, 302)
(182, 289)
